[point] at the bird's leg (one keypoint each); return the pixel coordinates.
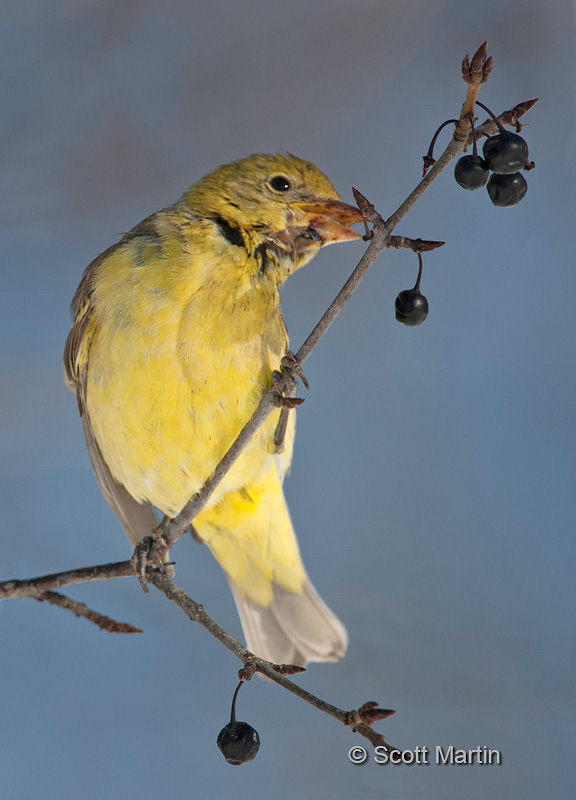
(280, 433)
(140, 560)
(150, 553)
(286, 381)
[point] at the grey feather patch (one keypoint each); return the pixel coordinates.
(293, 629)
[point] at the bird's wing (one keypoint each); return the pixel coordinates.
(138, 519)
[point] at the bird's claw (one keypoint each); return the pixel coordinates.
(140, 560)
(288, 402)
(152, 552)
(290, 362)
(285, 381)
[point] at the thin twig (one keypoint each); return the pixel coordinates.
(82, 610)
(475, 73)
(510, 117)
(416, 245)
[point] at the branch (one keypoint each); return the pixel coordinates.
(359, 720)
(40, 589)
(36, 587)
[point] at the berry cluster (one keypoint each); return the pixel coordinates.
(238, 741)
(505, 154)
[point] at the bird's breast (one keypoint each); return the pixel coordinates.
(173, 379)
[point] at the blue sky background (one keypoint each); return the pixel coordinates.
(433, 481)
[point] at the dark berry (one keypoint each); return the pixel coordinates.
(505, 153)
(239, 742)
(507, 190)
(471, 172)
(411, 307)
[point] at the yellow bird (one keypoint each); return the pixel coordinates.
(177, 330)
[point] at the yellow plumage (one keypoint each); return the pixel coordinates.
(176, 334)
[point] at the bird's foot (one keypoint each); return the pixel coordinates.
(286, 382)
(290, 363)
(152, 552)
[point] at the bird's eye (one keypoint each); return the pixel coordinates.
(279, 183)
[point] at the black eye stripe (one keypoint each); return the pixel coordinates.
(279, 183)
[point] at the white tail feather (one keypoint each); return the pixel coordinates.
(293, 629)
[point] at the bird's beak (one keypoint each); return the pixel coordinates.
(330, 220)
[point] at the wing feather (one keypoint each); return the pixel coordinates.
(138, 519)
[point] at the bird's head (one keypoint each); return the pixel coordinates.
(279, 201)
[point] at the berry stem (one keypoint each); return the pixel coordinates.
(474, 145)
(417, 286)
(501, 127)
(233, 711)
(429, 157)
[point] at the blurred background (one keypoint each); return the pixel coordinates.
(433, 481)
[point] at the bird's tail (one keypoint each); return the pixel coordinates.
(293, 629)
(284, 620)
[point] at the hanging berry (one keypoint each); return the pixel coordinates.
(411, 306)
(238, 741)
